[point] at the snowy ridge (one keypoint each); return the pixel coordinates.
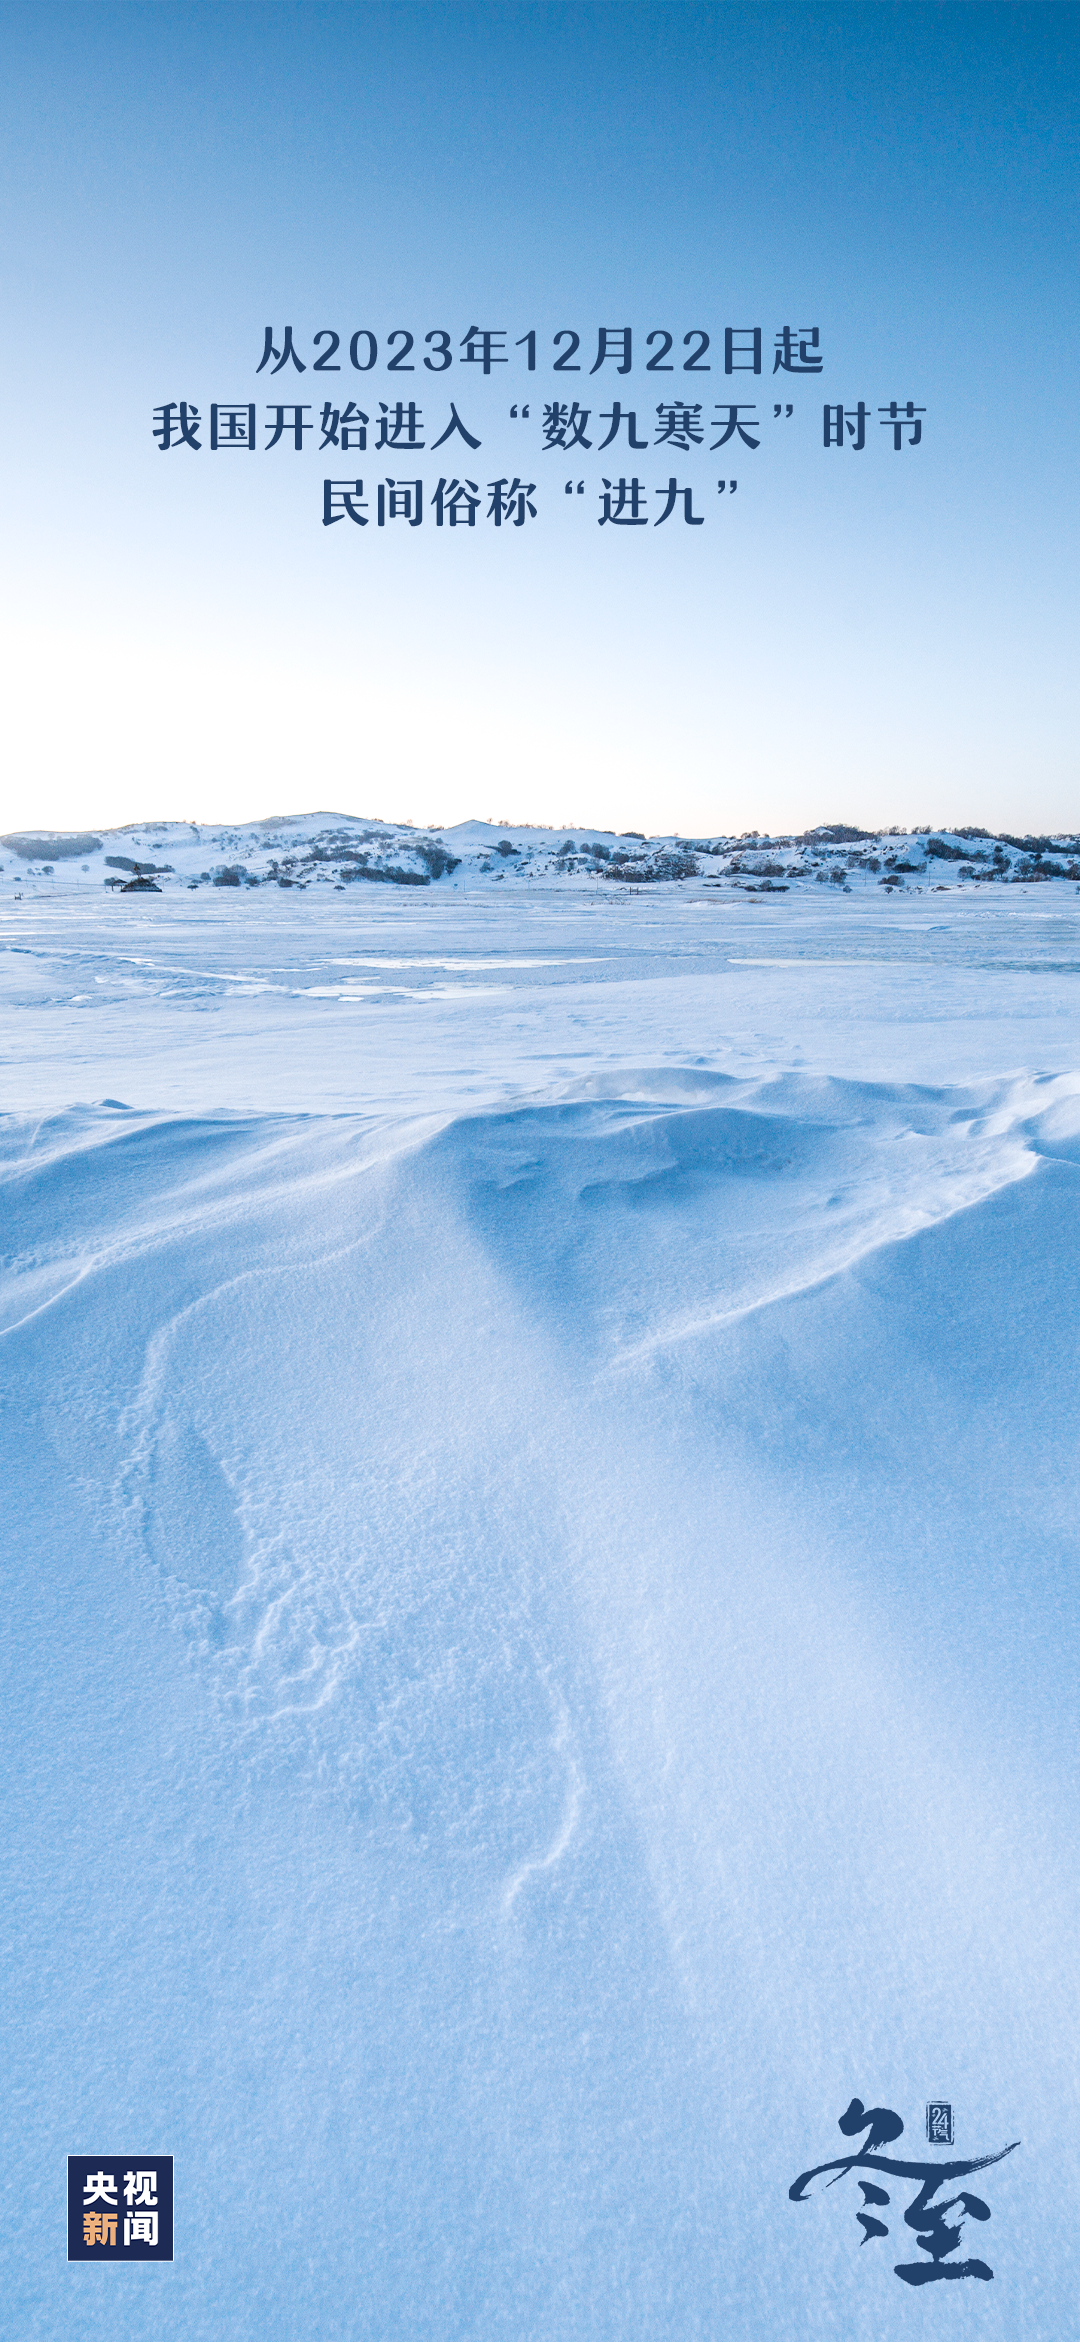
(296, 851)
(751, 1195)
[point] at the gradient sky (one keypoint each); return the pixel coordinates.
(864, 637)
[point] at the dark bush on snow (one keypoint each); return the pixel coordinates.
(834, 833)
(641, 873)
(124, 862)
(33, 847)
(1030, 845)
(385, 874)
(437, 858)
(504, 848)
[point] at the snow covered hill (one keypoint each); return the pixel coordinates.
(540, 1615)
(325, 849)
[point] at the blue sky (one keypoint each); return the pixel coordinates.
(863, 635)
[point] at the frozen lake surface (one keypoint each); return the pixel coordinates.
(541, 1607)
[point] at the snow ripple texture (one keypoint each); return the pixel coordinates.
(541, 1644)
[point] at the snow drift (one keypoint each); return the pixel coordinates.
(541, 1662)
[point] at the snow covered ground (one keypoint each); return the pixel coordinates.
(540, 1617)
(332, 849)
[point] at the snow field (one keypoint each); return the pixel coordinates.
(540, 1616)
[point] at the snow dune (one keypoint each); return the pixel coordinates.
(540, 1611)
